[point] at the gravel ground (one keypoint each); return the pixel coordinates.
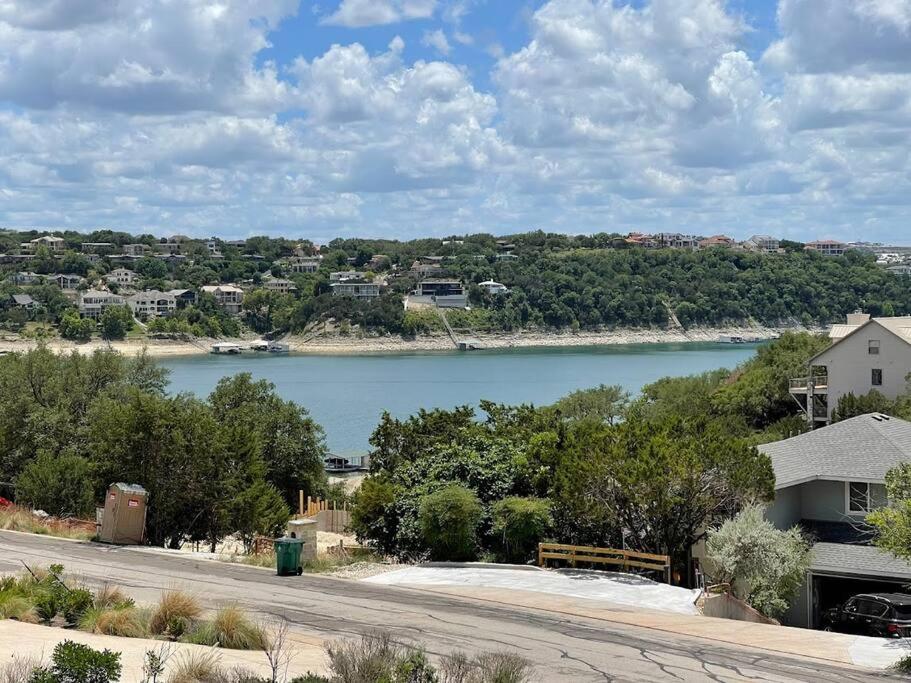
(364, 570)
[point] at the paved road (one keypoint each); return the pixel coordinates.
(563, 648)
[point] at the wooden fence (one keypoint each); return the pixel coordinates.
(626, 559)
(329, 516)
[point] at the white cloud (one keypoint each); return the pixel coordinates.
(438, 41)
(360, 13)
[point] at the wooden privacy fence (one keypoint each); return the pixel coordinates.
(329, 516)
(625, 559)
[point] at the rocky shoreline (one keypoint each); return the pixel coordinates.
(337, 344)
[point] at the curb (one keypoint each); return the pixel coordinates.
(480, 565)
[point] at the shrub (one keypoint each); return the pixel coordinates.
(17, 607)
(231, 629)
(487, 667)
(59, 485)
(449, 521)
(764, 565)
(174, 608)
(112, 596)
(196, 667)
(519, 524)
(76, 603)
(374, 657)
(47, 605)
(76, 663)
(371, 515)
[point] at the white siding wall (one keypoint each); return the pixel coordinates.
(851, 367)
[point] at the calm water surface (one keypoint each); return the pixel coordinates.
(347, 394)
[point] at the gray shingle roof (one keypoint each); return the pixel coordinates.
(23, 299)
(859, 560)
(863, 448)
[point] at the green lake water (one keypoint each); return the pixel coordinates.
(347, 394)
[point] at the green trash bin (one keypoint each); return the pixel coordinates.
(288, 556)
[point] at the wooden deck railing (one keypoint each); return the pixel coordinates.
(626, 559)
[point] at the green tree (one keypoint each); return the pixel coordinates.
(602, 403)
(59, 485)
(373, 516)
(850, 406)
(449, 521)
(519, 524)
(76, 328)
(115, 322)
(293, 445)
(764, 565)
(893, 521)
(655, 488)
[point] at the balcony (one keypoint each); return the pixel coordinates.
(808, 385)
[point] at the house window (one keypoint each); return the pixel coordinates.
(877, 377)
(858, 495)
(873, 347)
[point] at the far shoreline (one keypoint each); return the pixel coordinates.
(352, 345)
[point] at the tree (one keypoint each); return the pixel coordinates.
(449, 521)
(893, 521)
(850, 406)
(373, 517)
(764, 565)
(115, 322)
(602, 403)
(59, 485)
(76, 328)
(519, 524)
(655, 488)
(293, 445)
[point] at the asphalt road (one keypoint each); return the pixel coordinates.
(562, 648)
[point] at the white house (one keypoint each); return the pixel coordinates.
(302, 264)
(280, 285)
(356, 288)
(763, 243)
(492, 287)
(152, 304)
(93, 302)
(123, 277)
(866, 354)
(826, 482)
(229, 297)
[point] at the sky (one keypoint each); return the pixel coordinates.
(408, 118)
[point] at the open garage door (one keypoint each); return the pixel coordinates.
(831, 591)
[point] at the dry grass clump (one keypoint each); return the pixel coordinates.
(175, 614)
(231, 628)
(125, 621)
(19, 670)
(487, 667)
(205, 667)
(110, 597)
(19, 608)
(15, 518)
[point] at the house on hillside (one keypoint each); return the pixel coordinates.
(25, 278)
(866, 354)
(183, 297)
(123, 277)
(492, 287)
(827, 247)
(136, 250)
(54, 244)
(229, 297)
(24, 301)
(717, 241)
(97, 247)
(359, 289)
(301, 264)
(280, 285)
(152, 304)
(763, 244)
(92, 302)
(826, 482)
(66, 281)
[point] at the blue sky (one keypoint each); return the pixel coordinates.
(403, 118)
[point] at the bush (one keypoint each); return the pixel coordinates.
(76, 663)
(196, 667)
(176, 610)
(19, 608)
(376, 657)
(449, 522)
(519, 524)
(76, 603)
(371, 518)
(487, 667)
(765, 566)
(231, 629)
(59, 485)
(19, 670)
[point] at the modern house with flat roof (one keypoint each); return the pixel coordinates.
(866, 354)
(826, 482)
(279, 284)
(827, 247)
(358, 289)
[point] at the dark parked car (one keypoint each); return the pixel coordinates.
(872, 614)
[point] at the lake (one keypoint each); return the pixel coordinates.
(347, 394)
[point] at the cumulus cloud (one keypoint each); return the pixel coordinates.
(438, 41)
(360, 13)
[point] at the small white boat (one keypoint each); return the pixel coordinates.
(259, 345)
(278, 347)
(730, 339)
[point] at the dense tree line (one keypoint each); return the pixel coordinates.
(72, 425)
